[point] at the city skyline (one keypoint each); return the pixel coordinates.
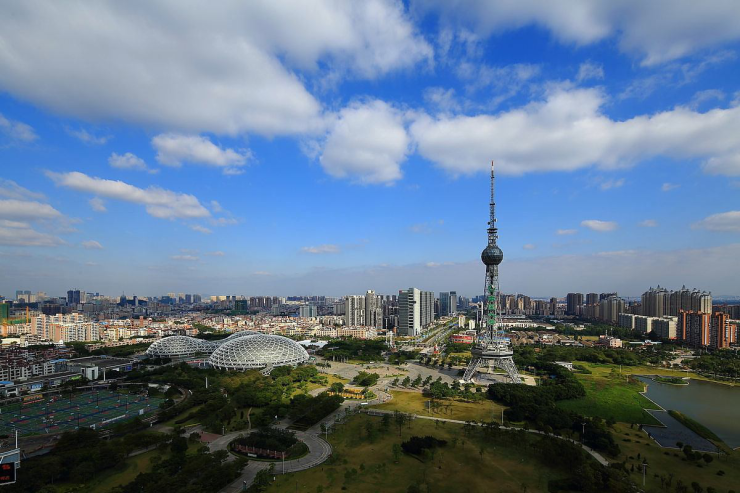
(321, 164)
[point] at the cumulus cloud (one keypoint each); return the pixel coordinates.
(320, 249)
(724, 221)
(160, 203)
(228, 68)
(600, 226)
(97, 204)
(613, 183)
(569, 131)
(14, 233)
(126, 161)
(563, 232)
(648, 223)
(589, 70)
(16, 130)
(87, 137)
(186, 258)
(175, 150)
(11, 190)
(667, 187)
(27, 210)
(217, 253)
(92, 245)
(201, 229)
(367, 143)
(656, 31)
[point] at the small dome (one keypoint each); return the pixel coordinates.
(257, 351)
(492, 255)
(179, 346)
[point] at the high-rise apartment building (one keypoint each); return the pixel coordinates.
(354, 311)
(307, 311)
(592, 299)
(658, 302)
(573, 303)
(610, 308)
(373, 310)
(699, 329)
(75, 297)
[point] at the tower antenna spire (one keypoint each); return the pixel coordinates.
(492, 349)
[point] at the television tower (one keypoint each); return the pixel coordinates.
(491, 348)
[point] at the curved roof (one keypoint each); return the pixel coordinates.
(237, 335)
(257, 351)
(179, 346)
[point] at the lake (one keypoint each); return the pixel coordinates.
(713, 405)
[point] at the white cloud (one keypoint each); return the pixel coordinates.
(724, 221)
(217, 253)
(126, 161)
(21, 234)
(609, 184)
(216, 207)
(420, 228)
(16, 130)
(11, 190)
(175, 150)
(201, 229)
(667, 187)
(589, 70)
(97, 204)
(568, 131)
(657, 31)
(160, 203)
(648, 223)
(366, 143)
(441, 98)
(320, 249)
(92, 245)
(497, 83)
(228, 68)
(529, 246)
(27, 210)
(563, 232)
(87, 137)
(186, 258)
(600, 226)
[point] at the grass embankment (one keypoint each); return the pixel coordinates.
(636, 446)
(610, 394)
(695, 426)
(465, 464)
(416, 403)
(670, 380)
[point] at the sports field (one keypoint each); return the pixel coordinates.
(56, 413)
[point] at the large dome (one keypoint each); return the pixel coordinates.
(237, 335)
(179, 346)
(257, 351)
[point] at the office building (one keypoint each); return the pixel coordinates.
(447, 304)
(415, 311)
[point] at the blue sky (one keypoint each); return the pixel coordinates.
(337, 147)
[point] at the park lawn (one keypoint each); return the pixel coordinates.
(331, 378)
(416, 403)
(611, 395)
(666, 465)
(364, 466)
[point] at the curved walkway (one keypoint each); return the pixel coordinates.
(600, 458)
(318, 451)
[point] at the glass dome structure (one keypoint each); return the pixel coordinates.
(257, 351)
(236, 335)
(179, 347)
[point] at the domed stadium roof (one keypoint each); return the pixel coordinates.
(237, 335)
(179, 346)
(257, 351)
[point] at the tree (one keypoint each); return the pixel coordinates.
(396, 452)
(400, 419)
(695, 486)
(406, 381)
(385, 422)
(337, 387)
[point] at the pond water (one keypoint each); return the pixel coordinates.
(713, 405)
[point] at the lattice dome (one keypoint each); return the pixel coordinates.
(179, 346)
(237, 335)
(257, 351)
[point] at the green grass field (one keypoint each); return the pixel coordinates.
(363, 466)
(664, 462)
(610, 394)
(416, 403)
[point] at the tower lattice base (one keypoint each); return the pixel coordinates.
(506, 363)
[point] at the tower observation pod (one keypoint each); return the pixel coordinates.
(491, 348)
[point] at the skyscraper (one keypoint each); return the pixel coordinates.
(373, 310)
(354, 311)
(574, 302)
(409, 312)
